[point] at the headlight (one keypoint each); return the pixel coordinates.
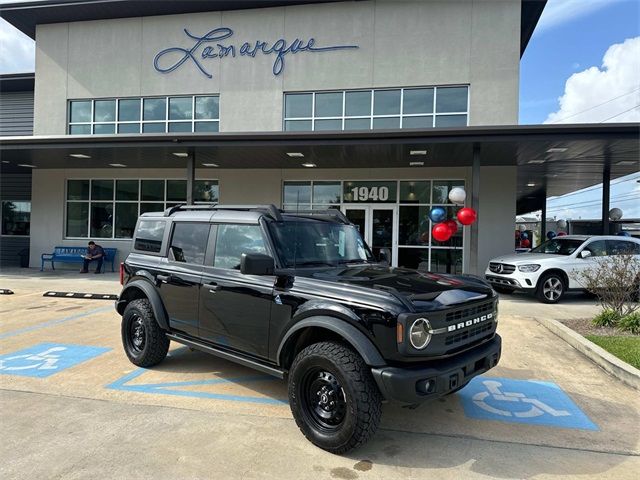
(531, 267)
(419, 335)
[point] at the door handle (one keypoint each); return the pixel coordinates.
(163, 278)
(213, 287)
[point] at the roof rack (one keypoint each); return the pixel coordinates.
(270, 210)
(331, 212)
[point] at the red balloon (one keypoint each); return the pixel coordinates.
(466, 216)
(561, 234)
(452, 225)
(526, 243)
(441, 232)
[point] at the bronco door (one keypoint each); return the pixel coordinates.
(235, 309)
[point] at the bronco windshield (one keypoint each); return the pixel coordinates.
(309, 242)
(558, 246)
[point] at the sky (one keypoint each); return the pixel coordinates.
(582, 65)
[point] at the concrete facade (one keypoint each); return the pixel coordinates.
(401, 44)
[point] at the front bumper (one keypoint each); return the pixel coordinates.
(417, 385)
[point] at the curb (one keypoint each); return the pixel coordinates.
(608, 362)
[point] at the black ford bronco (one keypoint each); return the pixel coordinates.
(301, 297)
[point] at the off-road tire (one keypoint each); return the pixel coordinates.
(362, 399)
(155, 343)
(543, 283)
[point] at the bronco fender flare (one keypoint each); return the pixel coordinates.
(351, 334)
(152, 295)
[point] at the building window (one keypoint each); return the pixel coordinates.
(16, 218)
(109, 208)
(423, 107)
(181, 114)
(410, 200)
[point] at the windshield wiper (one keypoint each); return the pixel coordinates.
(313, 263)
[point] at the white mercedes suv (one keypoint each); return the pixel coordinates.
(546, 270)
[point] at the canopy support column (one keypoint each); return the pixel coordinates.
(475, 204)
(606, 192)
(191, 176)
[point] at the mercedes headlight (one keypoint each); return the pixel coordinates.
(530, 267)
(419, 335)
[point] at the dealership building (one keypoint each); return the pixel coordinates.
(374, 107)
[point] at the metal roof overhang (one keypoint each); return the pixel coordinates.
(26, 15)
(587, 149)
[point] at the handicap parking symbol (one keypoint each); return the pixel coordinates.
(46, 359)
(522, 401)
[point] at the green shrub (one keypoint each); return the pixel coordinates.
(607, 318)
(630, 323)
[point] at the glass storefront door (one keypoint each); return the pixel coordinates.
(377, 225)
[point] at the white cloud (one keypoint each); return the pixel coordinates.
(559, 12)
(17, 51)
(607, 94)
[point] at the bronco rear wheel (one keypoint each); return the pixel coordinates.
(143, 340)
(333, 397)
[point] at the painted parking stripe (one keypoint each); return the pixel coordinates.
(522, 401)
(179, 388)
(46, 359)
(52, 323)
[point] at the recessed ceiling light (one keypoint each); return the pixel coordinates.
(418, 152)
(117, 165)
(557, 150)
(309, 165)
(531, 184)
(26, 165)
(627, 162)
(5, 161)
(210, 165)
(181, 154)
(536, 161)
(295, 154)
(79, 155)
(416, 164)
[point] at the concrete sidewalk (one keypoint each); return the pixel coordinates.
(196, 416)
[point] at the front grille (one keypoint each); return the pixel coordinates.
(503, 268)
(456, 315)
(468, 334)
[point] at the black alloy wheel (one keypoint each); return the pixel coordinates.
(144, 342)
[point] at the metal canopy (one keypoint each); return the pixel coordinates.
(551, 159)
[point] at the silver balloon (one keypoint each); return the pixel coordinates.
(522, 227)
(457, 195)
(615, 214)
(561, 224)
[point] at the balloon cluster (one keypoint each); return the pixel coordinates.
(445, 228)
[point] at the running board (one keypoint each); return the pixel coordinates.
(274, 371)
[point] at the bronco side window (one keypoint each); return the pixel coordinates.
(189, 242)
(149, 236)
(234, 240)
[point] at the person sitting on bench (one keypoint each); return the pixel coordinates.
(95, 253)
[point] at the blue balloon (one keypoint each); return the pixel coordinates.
(437, 214)
(524, 235)
(624, 234)
(551, 234)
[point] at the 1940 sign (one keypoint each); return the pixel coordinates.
(209, 46)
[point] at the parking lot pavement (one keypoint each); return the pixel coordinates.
(74, 407)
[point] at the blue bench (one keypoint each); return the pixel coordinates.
(74, 255)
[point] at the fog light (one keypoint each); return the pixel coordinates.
(426, 386)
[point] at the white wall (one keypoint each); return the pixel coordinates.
(401, 43)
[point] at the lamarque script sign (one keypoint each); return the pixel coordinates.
(209, 46)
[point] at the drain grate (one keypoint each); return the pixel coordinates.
(88, 296)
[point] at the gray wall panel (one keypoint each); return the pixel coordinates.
(16, 113)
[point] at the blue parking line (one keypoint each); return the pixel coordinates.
(52, 323)
(167, 388)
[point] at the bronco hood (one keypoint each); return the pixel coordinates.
(425, 290)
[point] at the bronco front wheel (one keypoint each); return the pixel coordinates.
(333, 397)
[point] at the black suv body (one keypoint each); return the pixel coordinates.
(301, 297)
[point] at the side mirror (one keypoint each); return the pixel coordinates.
(384, 256)
(585, 254)
(257, 264)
